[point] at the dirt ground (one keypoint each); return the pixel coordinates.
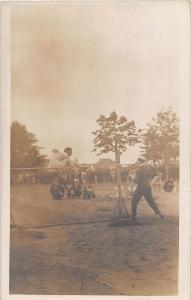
(91, 258)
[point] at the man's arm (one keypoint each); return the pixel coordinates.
(62, 156)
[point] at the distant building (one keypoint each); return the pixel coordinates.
(105, 161)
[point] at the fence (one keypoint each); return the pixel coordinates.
(90, 174)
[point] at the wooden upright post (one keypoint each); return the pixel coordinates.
(118, 173)
(120, 213)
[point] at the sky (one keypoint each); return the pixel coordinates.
(71, 62)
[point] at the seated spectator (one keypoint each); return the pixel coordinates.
(77, 190)
(88, 192)
(56, 189)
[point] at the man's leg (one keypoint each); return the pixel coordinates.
(135, 200)
(151, 201)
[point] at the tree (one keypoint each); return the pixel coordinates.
(161, 138)
(115, 134)
(24, 149)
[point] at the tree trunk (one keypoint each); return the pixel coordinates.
(118, 167)
(118, 173)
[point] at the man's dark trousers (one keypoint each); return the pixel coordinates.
(146, 192)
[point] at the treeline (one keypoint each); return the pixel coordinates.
(158, 141)
(25, 152)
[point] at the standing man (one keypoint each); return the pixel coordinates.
(144, 176)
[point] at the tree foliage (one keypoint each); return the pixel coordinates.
(161, 137)
(114, 134)
(24, 149)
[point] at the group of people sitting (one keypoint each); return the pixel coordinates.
(61, 189)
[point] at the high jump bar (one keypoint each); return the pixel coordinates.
(81, 166)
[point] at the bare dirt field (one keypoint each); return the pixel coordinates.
(91, 258)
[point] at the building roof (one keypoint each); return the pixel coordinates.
(105, 161)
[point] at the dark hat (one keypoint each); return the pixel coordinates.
(68, 150)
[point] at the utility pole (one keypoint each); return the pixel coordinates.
(117, 160)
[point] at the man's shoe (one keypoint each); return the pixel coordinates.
(161, 215)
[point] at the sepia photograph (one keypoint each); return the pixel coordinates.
(98, 180)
